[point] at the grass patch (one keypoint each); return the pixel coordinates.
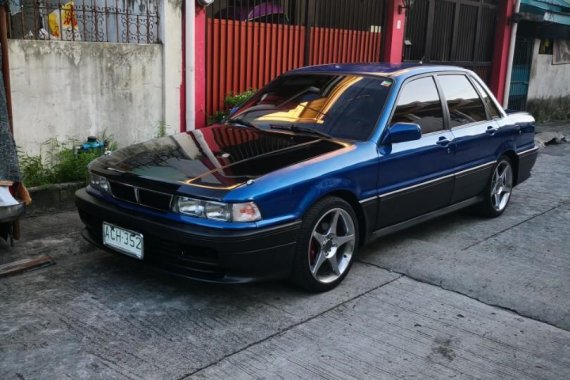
(58, 162)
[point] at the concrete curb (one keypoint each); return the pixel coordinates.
(52, 198)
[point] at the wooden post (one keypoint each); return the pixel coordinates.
(6, 63)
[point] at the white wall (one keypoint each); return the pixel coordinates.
(75, 89)
(547, 80)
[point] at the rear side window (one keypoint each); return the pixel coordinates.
(465, 105)
(419, 103)
(491, 107)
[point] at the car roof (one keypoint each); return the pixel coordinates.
(380, 69)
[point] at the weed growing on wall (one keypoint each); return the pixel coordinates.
(161, 129)
(58, 162)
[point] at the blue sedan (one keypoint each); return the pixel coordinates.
(307, 170)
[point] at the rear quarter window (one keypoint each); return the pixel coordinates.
(491, 107)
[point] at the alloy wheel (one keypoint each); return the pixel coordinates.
(501, 186)
(332, 245)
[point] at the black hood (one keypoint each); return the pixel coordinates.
(219, 157)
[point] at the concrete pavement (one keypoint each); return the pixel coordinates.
(458, 297)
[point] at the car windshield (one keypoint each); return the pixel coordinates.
(340, 106)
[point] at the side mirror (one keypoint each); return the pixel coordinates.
(400, 132)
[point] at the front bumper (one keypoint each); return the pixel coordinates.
(197, 252)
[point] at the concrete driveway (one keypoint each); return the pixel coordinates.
(457, 297)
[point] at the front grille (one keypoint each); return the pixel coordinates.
(160, 201)
(141, 196)
(123, 192)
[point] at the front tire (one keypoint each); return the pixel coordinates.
(328, 242)
(498, 191)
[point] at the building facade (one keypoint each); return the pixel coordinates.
(124, 68)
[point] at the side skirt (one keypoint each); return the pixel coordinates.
(425, 217)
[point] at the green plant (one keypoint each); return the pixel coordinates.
(161, 129)
(217, 117)
(58, 162)
(232, 100)
(33, 170)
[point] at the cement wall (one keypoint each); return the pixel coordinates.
(75, 89)
(171, 32)
(547, 80)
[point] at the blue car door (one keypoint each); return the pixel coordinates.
(477, 134)
(415, 177)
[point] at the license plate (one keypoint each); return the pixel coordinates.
(125, 241)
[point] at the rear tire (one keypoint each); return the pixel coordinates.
(327, 244)
(499, 189)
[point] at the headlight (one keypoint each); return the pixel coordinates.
(230, 212)
(189, 206)
(218, 211)
(99, 183)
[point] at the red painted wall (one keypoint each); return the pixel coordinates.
(248, 55)
(501, 53)
(393, 32)
(200, 69)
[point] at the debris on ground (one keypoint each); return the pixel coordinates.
(542, 139)
(25, 265)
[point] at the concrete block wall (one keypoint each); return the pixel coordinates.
(547, 80)
(69, 89)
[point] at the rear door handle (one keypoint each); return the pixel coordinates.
(491, 130)
(443, 141)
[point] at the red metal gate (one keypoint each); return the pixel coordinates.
(250, 42)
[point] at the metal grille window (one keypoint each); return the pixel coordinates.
(457, 32)
(121, 21)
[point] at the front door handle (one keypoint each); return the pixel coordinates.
(491, 130)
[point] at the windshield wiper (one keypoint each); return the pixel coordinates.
(243, 122)
(301, 129)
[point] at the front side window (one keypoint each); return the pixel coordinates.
(464, 104)
(342, 106)
(419, 103)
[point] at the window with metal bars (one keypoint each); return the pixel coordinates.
(117, 21)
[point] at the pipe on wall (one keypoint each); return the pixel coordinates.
(512, 44)
(6, 63)
(190, 63)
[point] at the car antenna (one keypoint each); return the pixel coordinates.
(421, 62)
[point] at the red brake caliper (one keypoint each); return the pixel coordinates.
(312, 252)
